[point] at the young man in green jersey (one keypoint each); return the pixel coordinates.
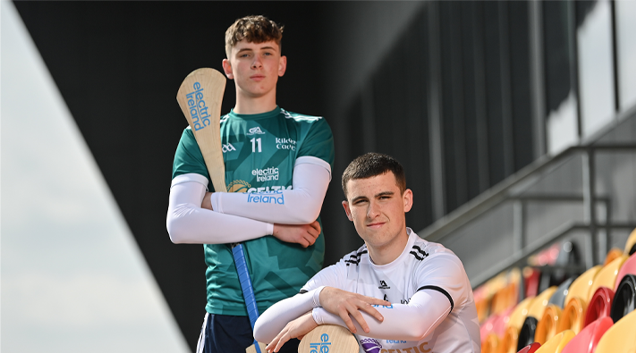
(277, 166)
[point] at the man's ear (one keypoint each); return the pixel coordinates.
(282, 66)
(407, 197)
(345, 205)
(227, 68)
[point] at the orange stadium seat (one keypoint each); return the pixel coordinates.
(490, 344)
(612, 255)
(580, 288)
(572, 316)
(557, 343)
(619, 338)
(587, 340)
(630, 245)
(508, 343)
(540, 303)
(600, 305)
(519, 313)
(606, 276)
(629, 267)
(624, 298)
(547, 325)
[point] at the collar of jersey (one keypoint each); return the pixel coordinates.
(407, 249)
(270, 114)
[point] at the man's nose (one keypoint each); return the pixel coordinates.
(373, 210)
(257, 62)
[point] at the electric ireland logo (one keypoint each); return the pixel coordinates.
(322, 346)
(198, 108)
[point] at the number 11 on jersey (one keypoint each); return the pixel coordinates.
(255, 142)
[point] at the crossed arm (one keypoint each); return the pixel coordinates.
(296, 316)
(188, 222)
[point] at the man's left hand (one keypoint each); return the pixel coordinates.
(297, 328)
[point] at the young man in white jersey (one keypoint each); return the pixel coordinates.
(429, 304)
(277, 166)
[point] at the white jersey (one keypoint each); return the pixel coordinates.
(422, 266)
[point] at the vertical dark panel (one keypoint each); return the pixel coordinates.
(494, 94)
(449, 121)
(558, 58)
(470, 68)
(416, 128)
(520, 83)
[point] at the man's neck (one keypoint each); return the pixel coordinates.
(390, 252)
(255, 105)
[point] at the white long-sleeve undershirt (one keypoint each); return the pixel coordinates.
(411, 322)
(187, 222)
(301, 205)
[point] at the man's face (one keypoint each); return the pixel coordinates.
(376, 207)
(255, 67)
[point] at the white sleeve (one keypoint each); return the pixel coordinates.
(188, 223)
(278, 315)
(301, 205)
(411, 322)
(274, 319)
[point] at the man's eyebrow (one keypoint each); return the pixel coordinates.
(359, 198)
(244, 49)
(385, 193)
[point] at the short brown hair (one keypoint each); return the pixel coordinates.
(372, 164)
(253, 29)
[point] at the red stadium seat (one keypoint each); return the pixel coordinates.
(586, 340)
(531, 348)
(600, 305)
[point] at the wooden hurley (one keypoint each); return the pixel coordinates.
(329, 338)
(200, 96)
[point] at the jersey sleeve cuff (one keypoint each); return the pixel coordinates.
(184, 178)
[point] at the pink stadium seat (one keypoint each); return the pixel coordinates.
(628, 268)
(600, 305)
(531, 348)
(586, 340)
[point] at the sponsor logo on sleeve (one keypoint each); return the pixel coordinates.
(370, 345)
(276, 198)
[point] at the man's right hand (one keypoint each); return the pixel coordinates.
(347, 305)
(303, 234)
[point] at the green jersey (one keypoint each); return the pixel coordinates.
(259, 151)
